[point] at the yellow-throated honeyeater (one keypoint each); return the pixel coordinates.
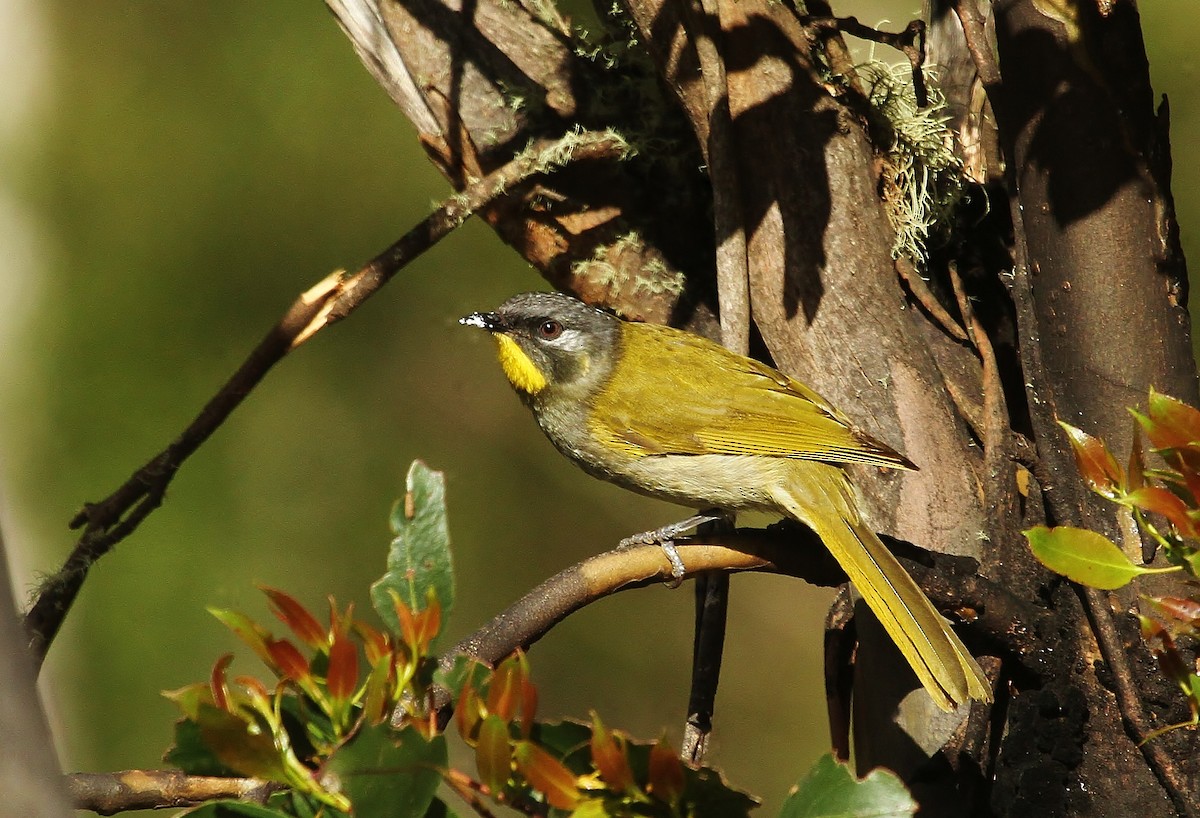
(675, 416)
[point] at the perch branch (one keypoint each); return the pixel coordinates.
(785, 548)
(110, 793)
(111, 520)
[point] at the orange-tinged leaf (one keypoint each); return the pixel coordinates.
(1169, 660)
(245, 629)
(302, 623)
(467, 714)
(547, 775)
(218, 684)
(1158, 500)
(428, 622)
(342, 676)
(1173, 424)
(609, 757)
(1095, 462)
(376, 644)
(529, 700)
(406, 619)
(504, 688)
(1187, 464)
(493, 754)
(287, 660)
(1177, 608)
(666, 772)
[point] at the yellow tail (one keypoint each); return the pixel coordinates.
(820, 496)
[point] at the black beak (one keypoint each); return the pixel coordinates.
(489, 321)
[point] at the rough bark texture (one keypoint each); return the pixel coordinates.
(1069, 285)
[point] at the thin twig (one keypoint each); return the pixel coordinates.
(928, 301)
(469, 790)
(110, 793)
(113, 519)
(910, 42)
(708, 648)
(995, 433)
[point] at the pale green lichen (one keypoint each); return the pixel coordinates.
(651, 276)
(923, 180)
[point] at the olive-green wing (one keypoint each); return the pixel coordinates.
(696, 397)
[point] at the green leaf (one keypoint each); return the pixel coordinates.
(233, 809)
(387, 773)
(1081, 555)
(830, 790)
(493, 754)
(419, 557)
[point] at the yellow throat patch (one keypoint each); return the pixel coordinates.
(521, 372)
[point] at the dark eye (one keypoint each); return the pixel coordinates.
(549, 330)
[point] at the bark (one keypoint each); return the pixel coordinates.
(1066, 292)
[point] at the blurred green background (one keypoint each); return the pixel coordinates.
(172, 174)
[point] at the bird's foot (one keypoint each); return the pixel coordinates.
(665, 536)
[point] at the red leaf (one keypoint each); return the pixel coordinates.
(376, 644)
(220, 688)
(408, 624)
(529, 699)
(1158, 500)
(666, 772)
(1184, 610)
(466, 714)
(503, 688)
(306, 627)
(1172, 423)
(1095, 462)
(547, 774)
(493, 754)
(608, 755)
(342, 676)
(287, 660)
(1187, 463)
(427, 624)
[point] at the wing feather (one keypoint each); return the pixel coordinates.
(744, 408)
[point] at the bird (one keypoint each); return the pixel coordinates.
(674, 416)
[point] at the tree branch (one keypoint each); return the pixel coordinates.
(111, 520)
(110, 793)
(785, 548)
